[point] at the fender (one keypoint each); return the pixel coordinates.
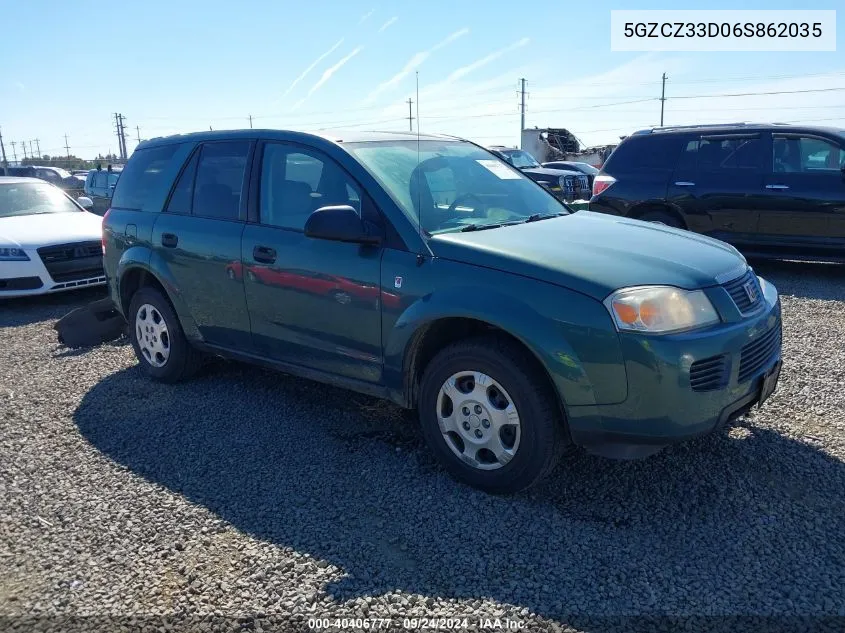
(141, 257)
(547, 338)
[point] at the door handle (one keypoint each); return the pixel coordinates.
(169, 240)
(685, 183)
(264, 254)
(778, 187)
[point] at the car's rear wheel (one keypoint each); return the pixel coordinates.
(489, 415)
(163, 351)
(661, 217)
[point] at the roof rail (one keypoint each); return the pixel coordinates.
(670, 128)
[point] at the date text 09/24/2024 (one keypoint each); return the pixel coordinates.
(415, 624)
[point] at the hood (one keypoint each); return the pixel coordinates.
(595, 254)
(45, 229)
(552, 173)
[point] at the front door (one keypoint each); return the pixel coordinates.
(198, 238)
(805, 209)
(313, 303)
(718, 182)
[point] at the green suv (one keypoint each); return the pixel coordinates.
(429, 272)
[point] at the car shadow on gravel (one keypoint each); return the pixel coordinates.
(36, 309)
(809, 280)
(746, 521)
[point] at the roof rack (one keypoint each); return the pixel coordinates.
(671, 128)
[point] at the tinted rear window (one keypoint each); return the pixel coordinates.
(652, 151)
(143, 176)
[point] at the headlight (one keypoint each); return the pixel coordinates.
(9, 254)
(660, 309)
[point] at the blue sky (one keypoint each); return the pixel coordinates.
(172, 66)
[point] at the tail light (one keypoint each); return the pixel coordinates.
(103, 231)
(602, 183)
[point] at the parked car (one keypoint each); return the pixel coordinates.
(99, 186)
(57, 176)
(516, 328)
(582, 168)
(565, 184)
(772, 190)
(26, 171)
(48, 241)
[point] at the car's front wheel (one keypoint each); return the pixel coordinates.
(488, 414)
(163, 351)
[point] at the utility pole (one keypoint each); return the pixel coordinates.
(662, 98)
(125, 154)
(3, 149)
(31, 151)
(121, 135)
(38, 148)
(23, 145)
(250, 121)
(67, 147)
(521, 107)
(14, 155)
(138, 131)
(410, 115)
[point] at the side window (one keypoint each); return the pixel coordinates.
(219, 180)
(806, 154)
(296, 182)
(142, 176)
(183, 194)
(735, 153)
(689, 156)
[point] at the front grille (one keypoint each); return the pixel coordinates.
(745, 292)
(71, 262)
(710, 374)
(757, 354)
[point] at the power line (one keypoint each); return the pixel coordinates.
(757, 94)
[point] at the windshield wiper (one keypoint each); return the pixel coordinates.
(534, 217)
(480, 227)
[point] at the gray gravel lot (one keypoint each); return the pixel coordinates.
(245, 496)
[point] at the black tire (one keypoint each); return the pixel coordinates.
(662, 217)
(183, 360)
(541, 422)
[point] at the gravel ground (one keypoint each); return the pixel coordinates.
(245, 497)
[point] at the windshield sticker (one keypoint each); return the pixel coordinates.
(499, 169)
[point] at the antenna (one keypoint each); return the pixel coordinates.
(418, 171)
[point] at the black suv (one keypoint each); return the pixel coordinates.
(565, 184)
(772, 190)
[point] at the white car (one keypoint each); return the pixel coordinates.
(48, 241)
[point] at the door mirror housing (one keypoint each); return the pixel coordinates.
(85, 202)
(340, 223)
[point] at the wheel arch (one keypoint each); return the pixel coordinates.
(639, 210)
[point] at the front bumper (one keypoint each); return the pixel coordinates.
(665, 403)
(31, 278)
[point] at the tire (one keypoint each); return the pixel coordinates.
(541, 437)
(661, 217)
(182, 360)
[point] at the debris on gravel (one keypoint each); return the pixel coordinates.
(247, 499)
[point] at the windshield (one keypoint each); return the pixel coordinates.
(62, 173)
(452, 184)
(520, 159)
(28, 198)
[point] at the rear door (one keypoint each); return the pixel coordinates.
(805, 194)
(197, 239)
(718, 181)
(313, 303)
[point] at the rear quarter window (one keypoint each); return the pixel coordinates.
(646, 152)
(145, 181)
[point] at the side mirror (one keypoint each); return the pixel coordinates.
(85, 202)
(340, 223)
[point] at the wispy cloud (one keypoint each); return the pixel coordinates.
(415, 62)
(327, 74)
(388, 24)
(312, 66)
(366, 16)
(465, 70)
